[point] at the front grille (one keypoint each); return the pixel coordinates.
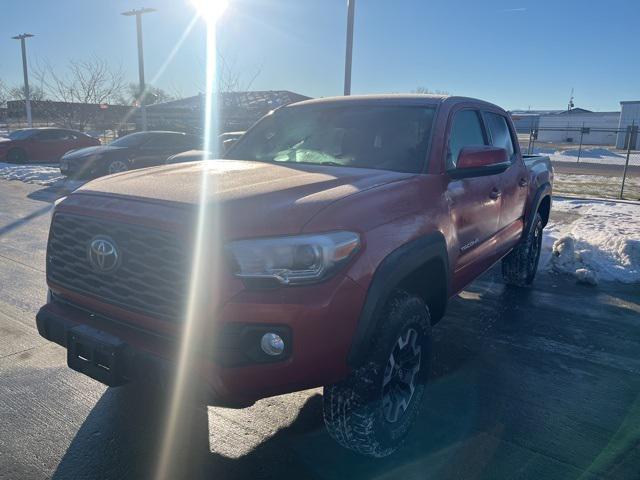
(152, 274)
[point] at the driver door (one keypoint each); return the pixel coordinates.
(49, 145)
(474, 202)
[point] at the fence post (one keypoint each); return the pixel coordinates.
(580, 147)
(533, 141)
(626, 164)
(530, 136)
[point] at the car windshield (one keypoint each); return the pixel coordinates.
(132, 140)
(21, 134)
(380, 137)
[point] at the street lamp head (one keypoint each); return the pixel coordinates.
(23, 35)
(140, 11)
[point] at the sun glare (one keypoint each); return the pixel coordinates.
(210, 10)
(204, 281)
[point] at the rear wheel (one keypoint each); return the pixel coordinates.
(117, 166)
(372, 411)
(520, 266)
(16, 155)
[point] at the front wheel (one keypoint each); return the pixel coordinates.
(117, 166)
(520, 266)
(372, 411)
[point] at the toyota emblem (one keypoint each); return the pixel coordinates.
(103, 255)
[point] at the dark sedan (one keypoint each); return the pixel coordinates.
(42, 144)
(137, 150)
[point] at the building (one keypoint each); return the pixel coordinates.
(628, 124)
(68, 114)
(570, 126)
(238, 110)
(526, 120)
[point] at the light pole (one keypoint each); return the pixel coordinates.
(351, 7)
(138, 14)
(27, 96)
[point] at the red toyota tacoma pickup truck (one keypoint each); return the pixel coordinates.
(337, 231)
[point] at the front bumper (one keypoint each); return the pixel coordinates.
(317, 323)
(77, 169)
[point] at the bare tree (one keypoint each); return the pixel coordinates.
(230, 78)
(425, 90)
(85, 83)
(152, 95)
(18, 93)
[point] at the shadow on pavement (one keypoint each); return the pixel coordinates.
(24, 220)
(521, 387)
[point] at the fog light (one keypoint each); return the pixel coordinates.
(272, 344)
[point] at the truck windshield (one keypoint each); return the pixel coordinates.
(381, 137)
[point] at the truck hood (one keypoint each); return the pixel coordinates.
(254, 198)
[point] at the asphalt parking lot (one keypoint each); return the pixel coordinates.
(526, 384)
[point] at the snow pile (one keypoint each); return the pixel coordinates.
(601, 243)
(603, 155)
(42, 174)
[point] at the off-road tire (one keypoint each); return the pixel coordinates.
(354, 413)
(16, 155)
(520, 266)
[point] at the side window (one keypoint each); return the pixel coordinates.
(49, 136)
(67, 136)
(160, 141)
(466, 130)
(499, 131)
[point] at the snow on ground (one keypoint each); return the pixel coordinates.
(599, 241)
(40, 174)
(603, 155)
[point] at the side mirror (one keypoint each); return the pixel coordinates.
(481, 156)
(228, 143)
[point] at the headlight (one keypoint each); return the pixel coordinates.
(57, 202)
(293, 260)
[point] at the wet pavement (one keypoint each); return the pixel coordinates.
(542, 383)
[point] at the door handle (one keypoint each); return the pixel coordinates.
(495, 194)
(523, 182)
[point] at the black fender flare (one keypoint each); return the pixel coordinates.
(543, 191)
(392, 270)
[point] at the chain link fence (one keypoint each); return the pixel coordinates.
(106, 133)
(589, 161)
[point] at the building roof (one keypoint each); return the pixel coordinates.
(265, 99)
(575, 110)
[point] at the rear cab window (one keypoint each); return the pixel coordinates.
(499, 132)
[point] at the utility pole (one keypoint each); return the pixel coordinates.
(138, 14)
(27, 95)
(351, 7)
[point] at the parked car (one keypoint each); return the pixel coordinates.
(136, 150)
(226, 141)
(344, 225)
(42, 144)
(188, 156)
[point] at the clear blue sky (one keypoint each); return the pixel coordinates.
(515, 53)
